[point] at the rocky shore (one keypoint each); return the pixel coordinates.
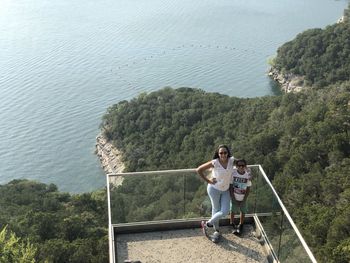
(289, 82)
(110, 158)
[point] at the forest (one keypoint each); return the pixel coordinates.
(321, 56)
(40, 224)
(301, 140)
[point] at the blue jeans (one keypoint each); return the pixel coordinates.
(220, 205)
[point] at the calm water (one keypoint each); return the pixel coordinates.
(62, 63)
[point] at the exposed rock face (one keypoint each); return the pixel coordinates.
(341, 20)
(110, 158)
(289, 82)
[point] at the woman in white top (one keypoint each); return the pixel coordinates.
(218, 187)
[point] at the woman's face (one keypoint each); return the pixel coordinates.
(223, 153)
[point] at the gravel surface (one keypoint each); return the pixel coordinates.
(189, 245)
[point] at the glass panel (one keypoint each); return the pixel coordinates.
(268, 211)
(279, 232)
(157, 196)
(197, 203)
(291, 249)
(266, 201)
(272, 227)
(253, 195)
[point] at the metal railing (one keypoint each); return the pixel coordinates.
(163, 196)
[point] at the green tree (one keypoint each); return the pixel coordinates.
(13, 249)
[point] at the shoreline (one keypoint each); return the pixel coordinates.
(288, 82)
(110, 158)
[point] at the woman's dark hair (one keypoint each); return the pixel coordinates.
(216, 153)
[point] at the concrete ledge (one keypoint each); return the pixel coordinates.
(150, 226)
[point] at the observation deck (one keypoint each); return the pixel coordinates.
(174, 233)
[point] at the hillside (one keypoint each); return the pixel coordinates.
(302, 141)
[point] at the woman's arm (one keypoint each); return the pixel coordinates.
(200, 170)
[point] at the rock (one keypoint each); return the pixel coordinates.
(110, 158)
(289, 82)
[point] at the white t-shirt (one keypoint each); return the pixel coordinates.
(223, 176)
(240, 183)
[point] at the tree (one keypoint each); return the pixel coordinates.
(13, 249)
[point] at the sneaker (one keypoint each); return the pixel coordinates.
(215, 237)
(234, 228)
(204, 227)
(239, 229)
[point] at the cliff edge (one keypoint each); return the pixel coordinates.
(110, 158)
(289, 82)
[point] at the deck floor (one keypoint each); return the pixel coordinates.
(190, 245)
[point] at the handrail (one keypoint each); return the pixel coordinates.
(161, 171)
(158, 172)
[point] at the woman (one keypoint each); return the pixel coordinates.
(218, 187)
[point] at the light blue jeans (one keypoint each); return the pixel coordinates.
(220, 205)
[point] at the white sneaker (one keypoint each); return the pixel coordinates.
(215, 237)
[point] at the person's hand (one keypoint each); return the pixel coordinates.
(212, 181)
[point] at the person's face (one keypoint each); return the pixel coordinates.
(223, 153)
(241, 167)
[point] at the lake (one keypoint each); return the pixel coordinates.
(63, 63)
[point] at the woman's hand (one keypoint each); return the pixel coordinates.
(212, 181)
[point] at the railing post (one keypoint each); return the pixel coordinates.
(112, 253)
(184, 189)
(281, 231)
(256, 191)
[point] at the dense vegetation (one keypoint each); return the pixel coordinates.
(44, 225)
(322, 56)
(12, 249)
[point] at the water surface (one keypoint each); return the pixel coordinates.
(62, 63)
